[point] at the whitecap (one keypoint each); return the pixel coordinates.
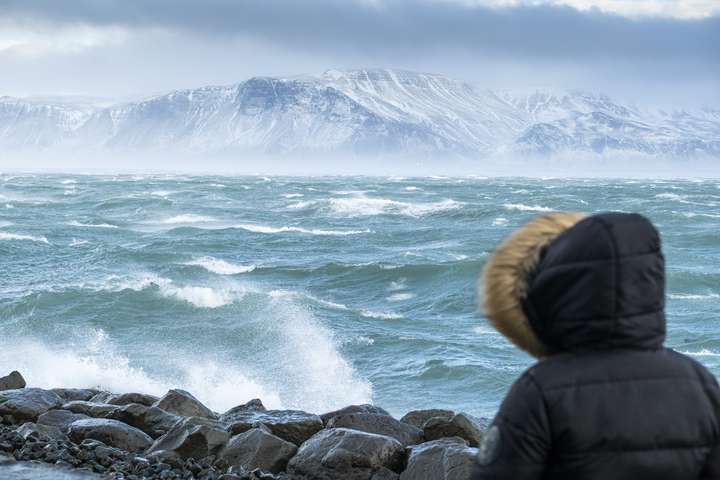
(68, 181)
(17, 236)
(366, 206)
(702, 353)
(221, 267)
(500, 221)
(76, 243)
(380, 315)
(270, 230)
(400, 297)
(75, 223)
(526, 208)
(694, 214)
(690, 296)
(293, 195)
(413, 189)
(187, 218)
(161, 193)
(199, 296)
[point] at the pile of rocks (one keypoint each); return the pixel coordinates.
(137, 436)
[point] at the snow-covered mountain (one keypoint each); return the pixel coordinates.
(361, 112)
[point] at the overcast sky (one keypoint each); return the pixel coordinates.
(664, 52)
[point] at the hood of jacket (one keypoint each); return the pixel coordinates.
(569, 282)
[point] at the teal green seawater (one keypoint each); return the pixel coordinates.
(309, 293)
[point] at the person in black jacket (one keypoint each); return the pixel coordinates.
(606, 400)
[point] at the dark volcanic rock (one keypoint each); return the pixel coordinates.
(257, 448)
(60, 418)
(27, 403)
(110, 432)
(419, 417)
(151, 420)
(71, 394)
(292, 425)
(445, 459)
(36, 432)
(12, 381)
(380, 424)
(364, 408)
(194, 437)
(128, 398)
(102, 397)
(184, 404)
(340, 453)
(461, 425)
(91, 409)
(254, 405)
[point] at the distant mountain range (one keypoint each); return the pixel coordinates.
(374, 112)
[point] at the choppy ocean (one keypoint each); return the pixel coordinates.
(309, 293)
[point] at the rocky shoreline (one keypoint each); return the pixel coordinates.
(133, 436)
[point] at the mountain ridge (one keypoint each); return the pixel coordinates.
(361, 112)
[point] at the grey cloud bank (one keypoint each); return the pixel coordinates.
(182, 44)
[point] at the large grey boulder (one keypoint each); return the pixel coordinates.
(154, 421)
(292, 425)
(419, 417)
(364, 408)
(184, 404)
(340, 453)
(27, 403)
(91, 409)
(102, 397)
(34, 431)
(445, 459)
(110, 432)
(257, 448)
(380, 424)
(12, 381)
(71, 394)
(193, 437)
(60, 418)
(128, 398)
(254, 405)
(460, 425)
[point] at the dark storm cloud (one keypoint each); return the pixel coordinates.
(395, 27)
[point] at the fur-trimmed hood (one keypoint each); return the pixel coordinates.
(566, 281)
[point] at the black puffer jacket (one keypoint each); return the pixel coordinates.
(606, 400)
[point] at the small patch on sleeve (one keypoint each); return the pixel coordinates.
(489, 448)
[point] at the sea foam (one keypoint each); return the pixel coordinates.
(221, 267)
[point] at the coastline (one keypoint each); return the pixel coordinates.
(134, 436)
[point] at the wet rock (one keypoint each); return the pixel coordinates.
(460, 425)
(348, 454)
(34, 431)
(154, 421)
(71, 394)
(27, 403)
(128, 398)
(292, 425)
(379, 424)
(194, 437)
(91, 409)
(419, 417)
(60, 419)
(257, 449)
(110, 432)
(12, 381)
(254, 405)
(364, 408)
(184, 404)
(445, 459)
(102, 397)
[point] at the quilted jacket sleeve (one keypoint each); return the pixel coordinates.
(518, 442)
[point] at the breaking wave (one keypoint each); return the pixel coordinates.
(221, 267)
(17, 236)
